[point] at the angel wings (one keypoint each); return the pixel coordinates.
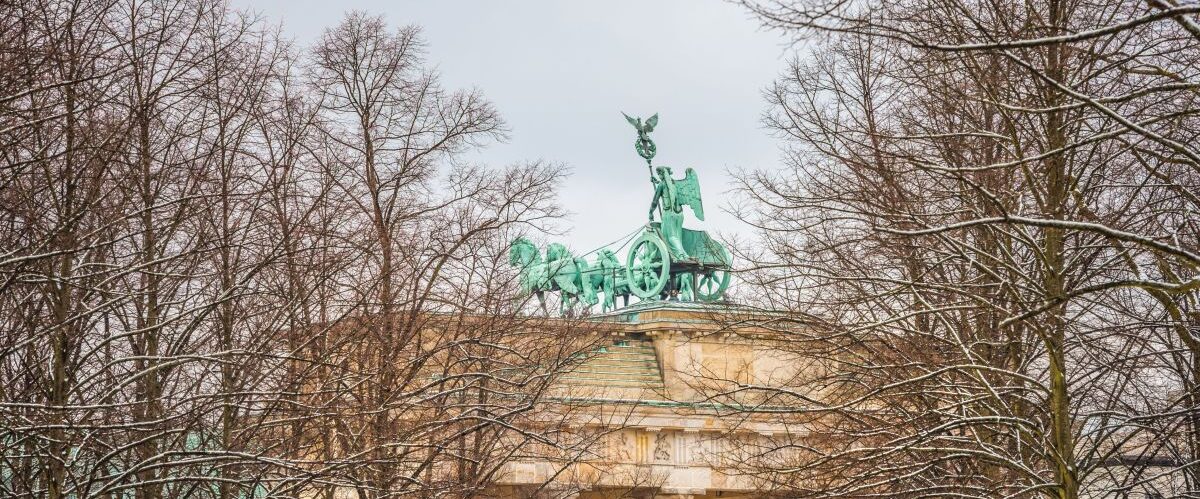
(687, 193)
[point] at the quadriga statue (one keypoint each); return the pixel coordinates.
(665, 261)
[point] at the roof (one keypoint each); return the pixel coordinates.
(627, 368)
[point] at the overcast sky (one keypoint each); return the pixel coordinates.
(561, 73)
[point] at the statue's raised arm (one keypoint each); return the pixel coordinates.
(670, 194)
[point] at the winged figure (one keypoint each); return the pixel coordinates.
(670, 196)
(673, 194)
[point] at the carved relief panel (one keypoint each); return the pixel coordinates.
(622, 446)
(663, 444)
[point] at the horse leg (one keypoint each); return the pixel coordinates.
(589, 293)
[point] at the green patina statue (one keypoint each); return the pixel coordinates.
(576, 280)
(643, 145)
(666, 261)
(670, 196)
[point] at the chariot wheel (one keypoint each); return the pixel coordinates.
(711, 285)
(648, 266)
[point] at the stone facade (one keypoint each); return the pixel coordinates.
(645, 399)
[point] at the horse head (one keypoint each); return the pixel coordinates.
(607, 260)
(522, 253)
(557, 251)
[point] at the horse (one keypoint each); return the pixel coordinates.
(569, 275)
(558, 271)
(610, 279)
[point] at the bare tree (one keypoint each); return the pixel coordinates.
(987, 217)
(232, 268)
